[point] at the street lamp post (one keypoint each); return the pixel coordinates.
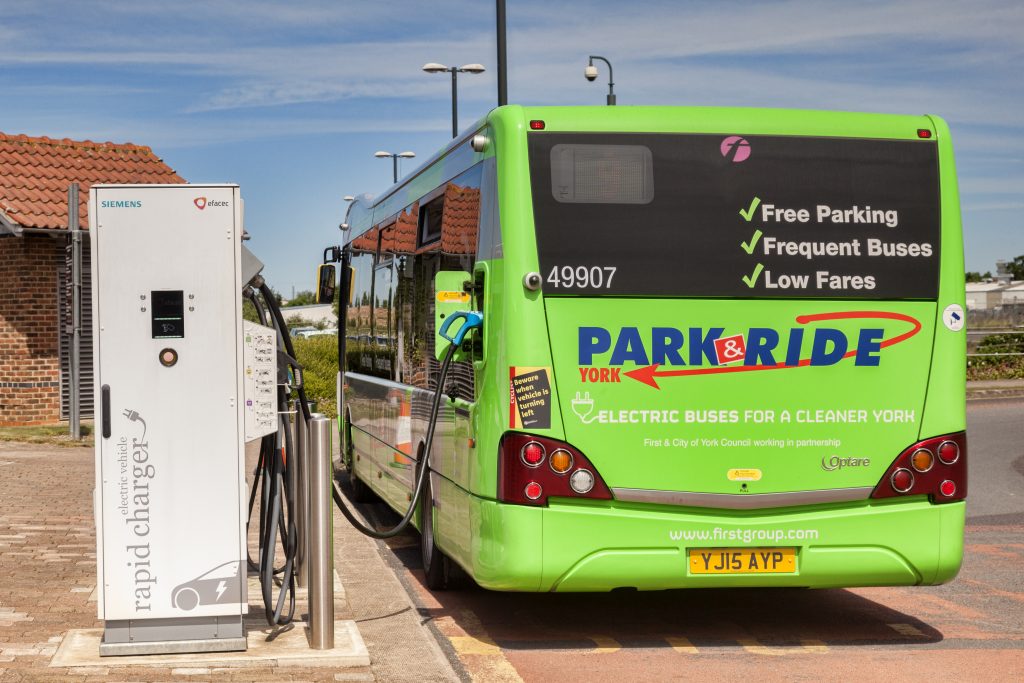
(394, 160)
(591, 74)
(435, 68)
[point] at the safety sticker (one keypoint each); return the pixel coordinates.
(529, 397)
(744, 474)
(453, 297)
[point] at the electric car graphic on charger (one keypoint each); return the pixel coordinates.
(209, 588)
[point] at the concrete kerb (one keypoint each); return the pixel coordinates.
(998, 388)
(80, 648)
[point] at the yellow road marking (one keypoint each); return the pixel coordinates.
(683, 645)
(471, 645)
(476, 649)
(605, 645)
(906, 630)
(814, 646)
(752, 646)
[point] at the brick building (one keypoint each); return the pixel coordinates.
(35, 264)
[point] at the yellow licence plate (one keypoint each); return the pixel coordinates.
(742, 560)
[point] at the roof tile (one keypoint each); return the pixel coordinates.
(35, 174)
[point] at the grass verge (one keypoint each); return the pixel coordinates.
(51, 435)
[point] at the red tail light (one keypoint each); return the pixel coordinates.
(935, 467)
(521, 480)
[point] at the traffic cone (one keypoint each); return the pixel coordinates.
(404, 437)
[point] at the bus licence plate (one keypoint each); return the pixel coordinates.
(742, 560)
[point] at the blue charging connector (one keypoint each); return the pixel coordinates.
(473, 320)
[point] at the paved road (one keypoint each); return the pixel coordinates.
(972, 628)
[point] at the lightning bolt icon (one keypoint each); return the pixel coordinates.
(221, 587)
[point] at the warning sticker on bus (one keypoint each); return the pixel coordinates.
(529, 397)
(453, 297)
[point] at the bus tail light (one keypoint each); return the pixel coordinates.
(935, 467)
(569, 473)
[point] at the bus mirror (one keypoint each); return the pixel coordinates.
(326, 286)
(450, 296)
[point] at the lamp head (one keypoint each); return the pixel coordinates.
(472, 68)
(407, 155)
(382, 154)
(590, 72)
(434, 68)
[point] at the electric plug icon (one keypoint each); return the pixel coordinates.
(133, 416)
(583, 406)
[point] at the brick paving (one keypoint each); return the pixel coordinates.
(47, 577)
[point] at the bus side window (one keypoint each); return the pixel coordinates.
(404, 293)
(446, 229)
(490, 224)
(460, 233)
(358, 325)
(384, 328)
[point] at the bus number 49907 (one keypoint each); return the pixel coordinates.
(582, 277)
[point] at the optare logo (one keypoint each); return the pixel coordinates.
(831, 464)
(735, 149)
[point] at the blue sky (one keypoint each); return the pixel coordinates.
(291, 99)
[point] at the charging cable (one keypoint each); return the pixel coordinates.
(472, 320)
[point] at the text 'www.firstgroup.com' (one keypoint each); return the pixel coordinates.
(744, 535)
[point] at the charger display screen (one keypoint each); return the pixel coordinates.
(168, 314)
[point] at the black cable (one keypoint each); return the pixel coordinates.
(282, 328)
(276, 499)
(424, 466)
(275, 474)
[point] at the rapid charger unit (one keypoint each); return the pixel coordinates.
(167, 265)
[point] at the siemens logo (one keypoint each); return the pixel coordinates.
(121, 204)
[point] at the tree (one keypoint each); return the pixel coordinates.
(973, 276)
(303, 298)
(1016, 268)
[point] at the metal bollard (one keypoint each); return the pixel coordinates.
(320, 543)
(301, 497)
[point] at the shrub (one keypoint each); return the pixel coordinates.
(998, 367)
(319, 359)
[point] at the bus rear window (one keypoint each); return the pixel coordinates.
(602, 174)
(706, 215)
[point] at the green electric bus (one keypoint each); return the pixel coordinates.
(720, 347)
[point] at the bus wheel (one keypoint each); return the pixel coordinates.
(435, 564)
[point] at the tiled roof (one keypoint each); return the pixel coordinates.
(35, 174)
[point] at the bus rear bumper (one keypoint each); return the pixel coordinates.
(600, 548)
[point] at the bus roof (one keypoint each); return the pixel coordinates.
(368, 210)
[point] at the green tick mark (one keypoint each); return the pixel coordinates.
(749, 246)
(749, 212)
(752, 280)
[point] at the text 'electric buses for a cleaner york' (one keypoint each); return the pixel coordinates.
(721, 347)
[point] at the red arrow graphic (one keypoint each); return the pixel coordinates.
(648, 375)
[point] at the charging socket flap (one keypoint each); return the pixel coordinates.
(450, 296)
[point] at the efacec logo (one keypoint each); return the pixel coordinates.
(831, 464)
(202, 202)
